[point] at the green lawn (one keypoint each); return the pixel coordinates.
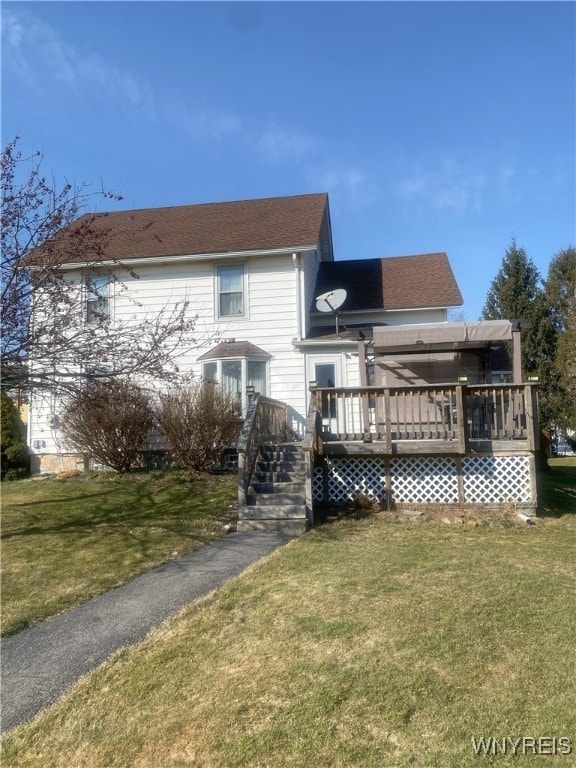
(64, 541)
(367, 643)
(558, 487)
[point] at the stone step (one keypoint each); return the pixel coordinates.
(295, 527)
(285, 511)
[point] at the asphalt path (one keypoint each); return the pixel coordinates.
(40, 663)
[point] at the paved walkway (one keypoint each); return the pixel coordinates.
(40, 663)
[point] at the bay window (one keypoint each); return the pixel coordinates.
(235, 375)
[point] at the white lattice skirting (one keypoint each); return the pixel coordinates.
(432, 480)
(496, 479)
(424, 480)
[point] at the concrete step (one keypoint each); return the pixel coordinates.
(295, 527)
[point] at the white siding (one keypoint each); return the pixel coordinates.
(402, 317)
(270, 323)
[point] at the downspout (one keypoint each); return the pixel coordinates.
(296, 262)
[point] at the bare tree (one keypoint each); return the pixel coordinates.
(109, 421)
(199, 423)
(47, 342)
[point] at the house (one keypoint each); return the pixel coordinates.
(354, 362)
(251, 271)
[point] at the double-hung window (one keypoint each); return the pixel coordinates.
(230, 290)
(97, 299)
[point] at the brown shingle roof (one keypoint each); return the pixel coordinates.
(211, 228)
(234, 349)
(398, 282)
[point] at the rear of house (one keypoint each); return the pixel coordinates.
(250, 271)
(383, 396)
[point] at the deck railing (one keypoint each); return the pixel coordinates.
(447, 412)
(265, 423)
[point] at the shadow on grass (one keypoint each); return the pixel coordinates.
(557, 488)
(173, 504)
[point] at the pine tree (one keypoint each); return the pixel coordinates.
(515, 294)
(560, 291)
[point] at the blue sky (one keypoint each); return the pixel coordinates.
(433, 126)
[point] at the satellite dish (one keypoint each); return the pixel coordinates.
(331, 301)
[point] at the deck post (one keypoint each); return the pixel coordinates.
(388, 423)
(461, 419)
(388, 485)
(367, 437)
(516, 357)
(460, 479)
(309, 464)
(241, 480)
(531, 407)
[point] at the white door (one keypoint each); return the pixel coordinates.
(326, 371)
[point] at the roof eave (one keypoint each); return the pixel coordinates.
(371, 310)
(183, 257)
(307, 343)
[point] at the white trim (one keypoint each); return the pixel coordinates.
(330, 343)
(178, 258)
(296, 260)
(345, 312)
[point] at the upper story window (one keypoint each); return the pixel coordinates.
(97, 299)
(230, 291)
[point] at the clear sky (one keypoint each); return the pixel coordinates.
(433, 126)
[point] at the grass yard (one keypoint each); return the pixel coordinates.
(64, 541)
(367, 643)
(558, 487)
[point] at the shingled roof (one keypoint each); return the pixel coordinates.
(210, 228)
(398, 282)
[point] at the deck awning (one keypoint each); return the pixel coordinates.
(441, 336)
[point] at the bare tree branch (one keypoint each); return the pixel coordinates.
(47, 342)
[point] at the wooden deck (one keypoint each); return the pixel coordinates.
(431, 420)
(347, 447)
(449, 444)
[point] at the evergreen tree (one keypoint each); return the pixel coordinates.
(515, 294)
(14, 453)
(560, 292)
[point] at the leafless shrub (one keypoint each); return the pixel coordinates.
(109, 421)
(199, 422)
